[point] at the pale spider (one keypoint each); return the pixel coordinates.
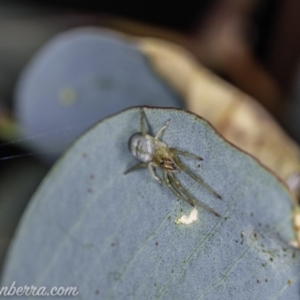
(152, 153)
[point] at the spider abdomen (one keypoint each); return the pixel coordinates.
(141, 148)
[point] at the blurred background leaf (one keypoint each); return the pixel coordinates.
(81, 77)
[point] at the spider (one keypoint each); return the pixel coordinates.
(153, 153)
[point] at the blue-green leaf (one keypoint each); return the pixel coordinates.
(78, 78)
(114, 236)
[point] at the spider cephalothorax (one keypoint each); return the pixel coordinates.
(163, 158)
(152, 153)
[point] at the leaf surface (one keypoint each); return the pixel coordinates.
(114, 236)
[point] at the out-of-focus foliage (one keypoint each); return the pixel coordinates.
(77, 79)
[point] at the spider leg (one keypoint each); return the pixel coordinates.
(198, 179)
(152, 165)
(173, 189)
(142, 123)
(190, 199)
(135, 167)
(184, 153)
(162, 129)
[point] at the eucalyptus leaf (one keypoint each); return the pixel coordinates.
(114, 236)
(78, 78)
